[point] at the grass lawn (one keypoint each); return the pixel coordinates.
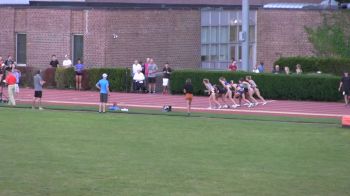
(85, 153)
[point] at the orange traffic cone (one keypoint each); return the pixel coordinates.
(345, 121)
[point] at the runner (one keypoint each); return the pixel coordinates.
(212, 94)
(229, 92)
(255, 89)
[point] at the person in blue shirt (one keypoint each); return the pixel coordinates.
(103, 86)
(261, 67)
(78, 68)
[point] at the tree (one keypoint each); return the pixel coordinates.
(332, 37)
(343, 1)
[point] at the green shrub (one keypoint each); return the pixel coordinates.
(64, 77)
(119, 78)
(289, 87)
(332, 65)
(49, 77)
(27, 75)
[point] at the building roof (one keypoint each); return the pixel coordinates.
(204, 2)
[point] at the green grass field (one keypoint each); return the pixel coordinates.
(85, 153)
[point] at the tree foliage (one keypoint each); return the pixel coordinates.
(332, 37)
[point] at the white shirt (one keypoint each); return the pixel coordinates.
(135, 68)
(138, 77)
(67, 63)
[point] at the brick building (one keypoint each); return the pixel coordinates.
(185, 33)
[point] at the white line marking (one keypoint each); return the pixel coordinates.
(197, 108)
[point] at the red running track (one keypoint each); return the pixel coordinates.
(156, 101)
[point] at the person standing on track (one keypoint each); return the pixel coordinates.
(152, 76)
(78, 68)
(103, 86)
(188, 90)
(344, 87)
(10, 80)
(38, 90)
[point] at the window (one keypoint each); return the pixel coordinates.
(78, 47)
(233, 34)
(205, 35)
(214, 35)
(219, 37)
(21, 48)
(224, 35)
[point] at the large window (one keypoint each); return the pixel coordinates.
(220, 38)
(21, 49)
(78, 48)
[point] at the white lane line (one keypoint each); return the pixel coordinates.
(198, 109)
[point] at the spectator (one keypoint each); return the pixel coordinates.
(1, 62)
(188, 91)
(255, 69)
(298, 69)
(344, 87)
(67, 62)
(18, 75)
(145, 71)
(103, 86)
(135, 67)
(54, 62)
(38, 90)
(78, 68)
(261, 67)
(152, 74)
(166, 76)
(9, 61)
(233, 66)
(139, 79)
(276, 69)
(286, 70)
(10, 80)
(1, 69)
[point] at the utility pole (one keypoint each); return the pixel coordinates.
(245, 35)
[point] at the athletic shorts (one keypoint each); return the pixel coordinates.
(103, 98)
(189, 96)
(78, 73)
(165, 81)
(151, 80)
(38, 94)
(346, 92)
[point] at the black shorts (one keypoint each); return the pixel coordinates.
(346, 92)
(103, 98)
(78, 73)
(38, 94)
(151, 80)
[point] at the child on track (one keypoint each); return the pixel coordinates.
(188, 90)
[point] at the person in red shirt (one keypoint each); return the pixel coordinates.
(11, 86)
(233, 66)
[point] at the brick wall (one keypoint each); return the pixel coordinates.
(7, 38)
(282, 33)
(167, 36)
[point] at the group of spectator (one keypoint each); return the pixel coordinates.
(260, 68)
(67, 63)
(9, 76)
(147, 72)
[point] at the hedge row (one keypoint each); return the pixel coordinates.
(288, 87)
(119, 78)
(335, 66)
